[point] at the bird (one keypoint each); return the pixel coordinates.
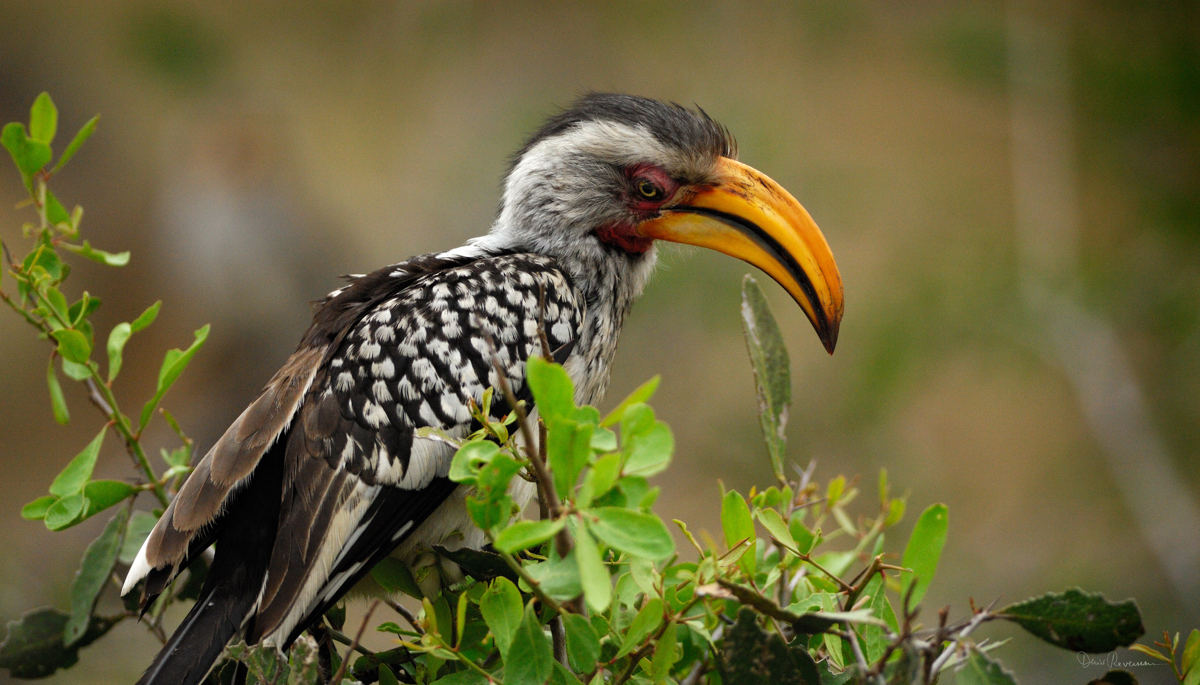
(322, 476)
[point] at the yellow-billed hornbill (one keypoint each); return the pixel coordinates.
(321, 477)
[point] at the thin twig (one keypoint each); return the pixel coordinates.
(408, 615)
(337, 677)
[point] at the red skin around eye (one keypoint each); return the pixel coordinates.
(624, 235)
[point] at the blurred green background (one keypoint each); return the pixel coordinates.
(1012, 193)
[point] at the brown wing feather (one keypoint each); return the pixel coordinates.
(203, 496)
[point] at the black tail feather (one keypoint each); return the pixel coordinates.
(231, 589)
(198, 642)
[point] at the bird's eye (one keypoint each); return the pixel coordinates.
(648, 190)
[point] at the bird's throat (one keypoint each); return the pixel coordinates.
(624, 237)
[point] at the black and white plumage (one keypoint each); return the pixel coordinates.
(321, 476)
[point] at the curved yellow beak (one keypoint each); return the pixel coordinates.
(747, 215)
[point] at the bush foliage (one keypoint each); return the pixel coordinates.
(801, 588)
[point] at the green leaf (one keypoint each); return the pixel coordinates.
(1078, 621)
(77, 142)
(146, 318)
(530, 657)
(173, 364)
(923, 551)
(525, 534)
(140, 525)
(552, 388)
(79, 470)
(583, 645)
(34, 647)
(641, 395)
(978, 669)
(76, 372)
(102, 494)
(94, 572)
(738, 526)
(568, 447)
(58, 403)
(666, 653)
(805, 540)
(632, 532)
(600, 478)
(393, 575)
(470, 458)
(28, 154)
(55, 212)
(107, 258)
(648, 453)
(116, 347)
(43, 119)
(73, 345)
(501, 609)
(778, 530)
(648, 619)
(1190, 661)
(593, 574)
(772, 373)
(66, 512)
(84, 307)
(36, 510)
(460, 678)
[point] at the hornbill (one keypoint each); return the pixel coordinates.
(321, 476)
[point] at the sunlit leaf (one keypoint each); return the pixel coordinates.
(43, 119)
(502, 611)
(29, 155)
(648, 619)
(66, 512)
(58, 403)
(631, 532)
(738, 526)
(525, 534)
(146, 318)
(72, 478)
(36, 510)
(593, 574)
(107, 258)
(173, 364)
(73, 345)
(102, 494)
(923, 551)
(552, 388)
(641, 395)
(80, 138)
(116, 347)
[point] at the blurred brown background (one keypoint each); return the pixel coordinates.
(1012, 193)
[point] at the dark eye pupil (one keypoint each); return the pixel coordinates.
(648, 189)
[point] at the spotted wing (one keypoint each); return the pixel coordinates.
(413, 353)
